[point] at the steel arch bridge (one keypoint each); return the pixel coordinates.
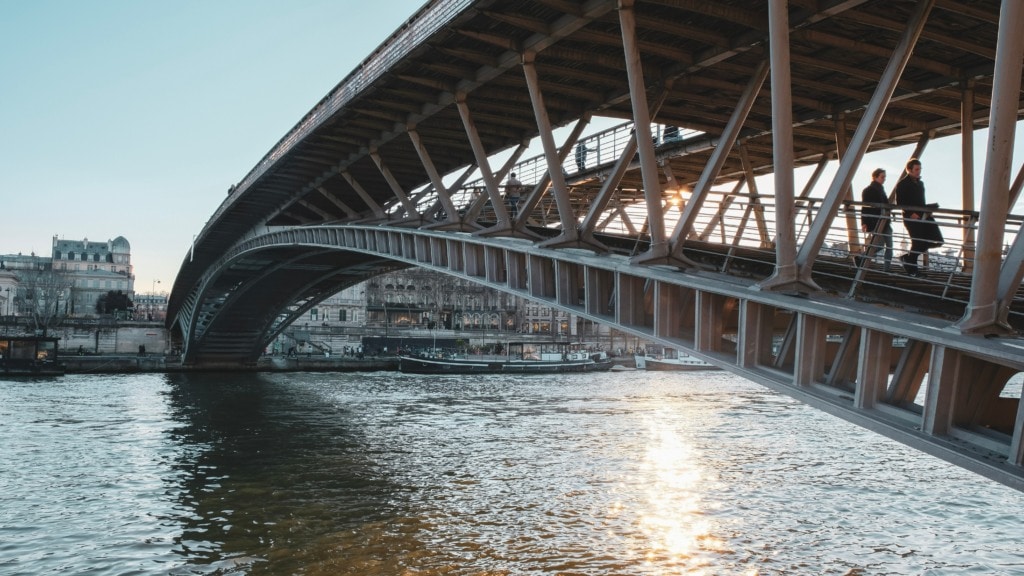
(656, 225)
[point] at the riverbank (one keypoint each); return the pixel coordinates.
(131, 364)
(127, 364)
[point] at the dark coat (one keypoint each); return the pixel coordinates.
(871, 215)
(923, 230)
(910, 194)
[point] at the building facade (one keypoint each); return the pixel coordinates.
(71, 280)
(416, 298)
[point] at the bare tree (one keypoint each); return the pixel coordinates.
(44, 298)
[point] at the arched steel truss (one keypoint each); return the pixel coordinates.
(859, 361)
(716, 93)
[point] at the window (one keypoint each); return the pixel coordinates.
(342, 315)
(313, 312)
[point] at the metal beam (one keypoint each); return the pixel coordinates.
(642, 124)
(482, 162)
(992, 289)
(570, 231)
(714, 165)
(378, 212)
(396, 188)
(451, 214)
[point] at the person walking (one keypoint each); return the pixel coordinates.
(581, 156)
(875, 220)
(924, 233)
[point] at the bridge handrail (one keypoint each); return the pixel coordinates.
(602, 149)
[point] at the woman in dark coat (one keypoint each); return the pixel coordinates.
(874, 219)
(924, 233)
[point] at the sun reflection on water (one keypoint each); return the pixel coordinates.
(680, 537)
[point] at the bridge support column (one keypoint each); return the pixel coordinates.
(785, 276)
(811, 351)
(411, 214)
(642, 124)
(992, 290)
(967, 173)
(452, 220)
(600, 203)
(754, 335)
(873, 368)
(378, 212)
(944, 372)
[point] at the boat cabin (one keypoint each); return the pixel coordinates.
(29, 355)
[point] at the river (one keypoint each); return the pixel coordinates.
(371, 474)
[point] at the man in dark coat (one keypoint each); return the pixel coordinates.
(874, 218)
(922, 230)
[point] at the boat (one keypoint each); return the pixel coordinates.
(520, 358)
(29, 356)
(658, 359)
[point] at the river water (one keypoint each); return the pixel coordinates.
(386, 474)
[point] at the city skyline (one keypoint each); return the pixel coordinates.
(133, 119)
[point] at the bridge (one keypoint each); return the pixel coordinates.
(663, 199)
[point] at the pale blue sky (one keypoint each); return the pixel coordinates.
(132, 118)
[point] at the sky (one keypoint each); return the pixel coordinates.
(132, 118)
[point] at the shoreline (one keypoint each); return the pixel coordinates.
(133, 364)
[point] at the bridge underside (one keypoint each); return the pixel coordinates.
(657, 225)
(899, 373)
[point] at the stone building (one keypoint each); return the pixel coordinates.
(93, 269)
(416, 298)
(79, 272)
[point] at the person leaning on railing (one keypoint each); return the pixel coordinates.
(512, 191)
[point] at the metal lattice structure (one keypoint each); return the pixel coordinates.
(656, 224)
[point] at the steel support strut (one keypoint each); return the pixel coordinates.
(570, 226)
(411, 214)
(642, 125)
(967, 172)
(443, 196)
(378, 212)
(717, 160)
(859, 143)
(480, 154)
(991, 289)
(785, 276)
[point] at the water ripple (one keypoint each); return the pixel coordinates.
(388, 474)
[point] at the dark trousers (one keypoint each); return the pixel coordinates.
(878, 240)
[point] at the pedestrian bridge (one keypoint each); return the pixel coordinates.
(663, 198)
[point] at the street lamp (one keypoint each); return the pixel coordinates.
(153, 289)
